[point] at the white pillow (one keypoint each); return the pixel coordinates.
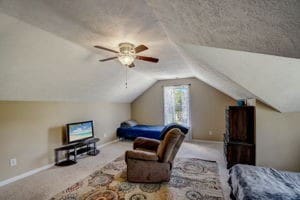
(129, 123)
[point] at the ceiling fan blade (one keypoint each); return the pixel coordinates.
(149, 59)
(104, 48)
(107, 59)
(140, 48)
(131, 65)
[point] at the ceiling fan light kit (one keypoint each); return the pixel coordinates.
(127, 53)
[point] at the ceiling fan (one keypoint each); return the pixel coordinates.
(127, 54)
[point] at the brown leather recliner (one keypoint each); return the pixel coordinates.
(152, 160)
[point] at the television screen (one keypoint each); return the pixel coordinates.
(79, 131)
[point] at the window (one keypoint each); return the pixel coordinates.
(177, 104)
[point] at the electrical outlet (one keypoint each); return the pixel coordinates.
(13, 162)
(105, 135)
(210, 132)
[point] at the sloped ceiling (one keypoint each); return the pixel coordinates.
(274, 80)
(260, 26)
(46, 48)
(37, 65)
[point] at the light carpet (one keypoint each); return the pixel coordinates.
(191, 179)
(47, 183)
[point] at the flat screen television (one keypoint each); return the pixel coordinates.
(79, 131)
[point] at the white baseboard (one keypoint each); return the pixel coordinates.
(34, 171)
(207, 141)
(29, 173)
(108, 143)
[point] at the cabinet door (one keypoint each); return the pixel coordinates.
(241, 124)
(243, 154)
(237, 125)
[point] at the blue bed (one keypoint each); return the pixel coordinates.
(262, 183)
(140, 131)
(134, 130)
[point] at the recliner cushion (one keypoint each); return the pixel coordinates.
(146, 144)
(141, 155)
(167, 146)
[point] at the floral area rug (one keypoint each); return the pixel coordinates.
(192, 179)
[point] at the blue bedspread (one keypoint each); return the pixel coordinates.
(133, 132)
(250, 182)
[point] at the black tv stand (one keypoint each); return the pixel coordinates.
(87, 146)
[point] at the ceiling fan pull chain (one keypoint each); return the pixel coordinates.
(126, 76)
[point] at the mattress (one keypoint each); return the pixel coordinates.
(149, 131)
(251, 182)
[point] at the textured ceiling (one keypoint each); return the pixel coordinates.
(40, 38)
(260, 26)
(106, 23)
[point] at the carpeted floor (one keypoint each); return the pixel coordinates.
(48, 183)
(192, 179)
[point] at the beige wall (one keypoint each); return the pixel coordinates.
(207, 106)
(277, 139)
(277, 134)
(29, 131)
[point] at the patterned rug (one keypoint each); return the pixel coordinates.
(192, 179)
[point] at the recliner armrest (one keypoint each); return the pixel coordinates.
(141, 155)
(146, 143)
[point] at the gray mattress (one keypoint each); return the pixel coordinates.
(251, 182)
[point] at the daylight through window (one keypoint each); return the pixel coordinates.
(177, 104)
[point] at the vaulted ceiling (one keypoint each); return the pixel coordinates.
(243, 48)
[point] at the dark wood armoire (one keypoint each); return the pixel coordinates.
(239, 139)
